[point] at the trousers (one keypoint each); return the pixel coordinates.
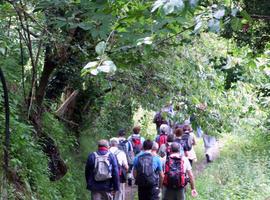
(101, 195)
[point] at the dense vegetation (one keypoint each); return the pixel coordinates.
(78, 70)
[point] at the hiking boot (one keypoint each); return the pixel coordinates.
(207, 158)
(129, 181)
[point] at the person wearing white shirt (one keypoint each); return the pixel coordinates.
(122, 162)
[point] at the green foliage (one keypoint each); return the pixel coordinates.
(241, 172)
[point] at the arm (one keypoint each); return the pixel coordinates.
(192, 181)
(89, 169)
(161, 178)
(192, 184)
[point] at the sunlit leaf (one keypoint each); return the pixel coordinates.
(157, 5)
(100, 48)
(91, 65)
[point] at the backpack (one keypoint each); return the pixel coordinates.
(175, 176)
(121, 169)
(146, 176)
(124, 145)
(185, 142)
(103, 167)
(136, 143)
(162, 139)
(168, 150)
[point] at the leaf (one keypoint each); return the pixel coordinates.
(2, 51)
(100, 48)
(172, 6)
(91, 65)
(146, 40)
(236, 24)
(198, 27)
(245, 15)
(94, 72)
(107, 66)
(157, 5)
(219, 14)
(168, 8)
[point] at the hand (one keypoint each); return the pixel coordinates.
(194, 193)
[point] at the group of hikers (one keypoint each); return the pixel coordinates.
(161, 169)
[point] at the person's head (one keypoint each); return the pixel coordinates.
(179, 132)
(136, 129)
(187, 128)
(103, 143)
(155, 146)
(114, 142)
(175, 147)
(147, 145)
(121, 133)
(170, 138)
(165, 129)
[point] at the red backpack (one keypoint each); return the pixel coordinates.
(175, 176)
(136, 144)
(162, 139)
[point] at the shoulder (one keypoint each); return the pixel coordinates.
(156, 159)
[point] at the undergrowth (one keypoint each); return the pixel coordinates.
(241, 172)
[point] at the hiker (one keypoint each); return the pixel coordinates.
(155, 152)
(177, 169)
(184, 140)
(136, 140)
(191, 154)
(164, 132)
(126, 146)
(122, 166)
(211, 147)
(148, 173)
(159, 120)
(165, 149)
(101, 173)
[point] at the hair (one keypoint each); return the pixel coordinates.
(147, 144)
(170, 138)
(103, 143)
(179, 132)
(175, 147)
(113, 142)
(164, 128)
(155, 146)
(121, 132)
(136, 129)
(187, 128)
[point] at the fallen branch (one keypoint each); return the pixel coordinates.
(62, 109)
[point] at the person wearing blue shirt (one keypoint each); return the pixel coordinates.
(104, 189)
(148, 173)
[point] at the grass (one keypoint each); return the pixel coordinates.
(241, 172)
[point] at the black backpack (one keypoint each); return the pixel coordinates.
(185, 142)
(146, 175)
(175, 176)
(125, 146)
